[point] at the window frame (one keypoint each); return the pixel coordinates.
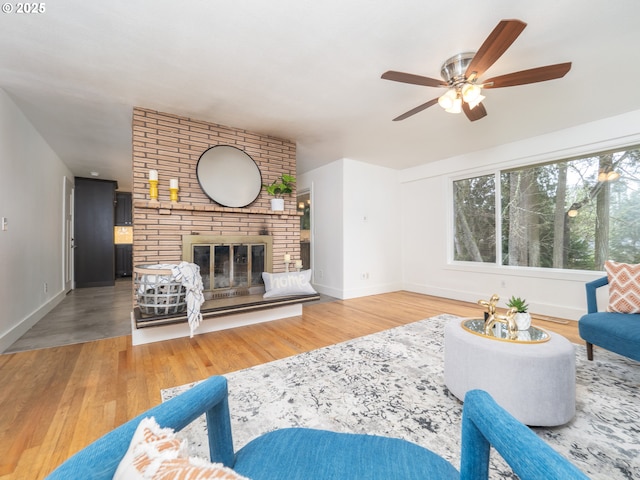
(496, 169)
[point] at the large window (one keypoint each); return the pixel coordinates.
(474, 203)
(571, 214)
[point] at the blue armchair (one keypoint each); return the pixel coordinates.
(300, 453)
(616, 332)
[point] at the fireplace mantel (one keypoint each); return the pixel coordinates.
(167, 207)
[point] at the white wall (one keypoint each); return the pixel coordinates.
(426, 222)
(31, 198)
(371, 230)
(326, 187)
(355, 228)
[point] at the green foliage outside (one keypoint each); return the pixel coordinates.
(572, 214)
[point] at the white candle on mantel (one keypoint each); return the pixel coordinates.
(298, 263)
(173, 183)
(287, 258)
(153, 175)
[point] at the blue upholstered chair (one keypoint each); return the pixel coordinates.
(617, 332)
(306, 454)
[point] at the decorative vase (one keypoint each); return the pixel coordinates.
(277, 204)
(523, 320)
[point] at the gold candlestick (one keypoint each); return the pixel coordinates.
(153, 190)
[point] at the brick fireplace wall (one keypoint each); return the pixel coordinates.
(172, 145)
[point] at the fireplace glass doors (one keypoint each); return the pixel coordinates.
(229, 266)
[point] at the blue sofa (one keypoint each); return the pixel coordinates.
(308, 454)
(616, 332)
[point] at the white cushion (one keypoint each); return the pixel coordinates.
(286, 284)
(156, 453)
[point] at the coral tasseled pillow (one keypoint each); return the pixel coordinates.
(624, 287)
(156, 453)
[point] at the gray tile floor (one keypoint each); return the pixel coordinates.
(84, 315)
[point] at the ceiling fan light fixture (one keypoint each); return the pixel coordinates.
(447, 100)
(470, 92)
(456, 107)
(463, 73)
(476, 101)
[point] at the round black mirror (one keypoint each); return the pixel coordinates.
(229, 176)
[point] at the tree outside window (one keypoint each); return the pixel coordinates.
(474, 201)
(571, 214)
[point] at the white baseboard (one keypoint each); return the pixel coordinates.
(371, 290)
(357, 292)
(14, 333)
(547, 309)
(141, 336)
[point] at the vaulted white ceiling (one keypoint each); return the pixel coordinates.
(308, 71)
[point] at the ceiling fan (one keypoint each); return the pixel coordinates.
(461, 74)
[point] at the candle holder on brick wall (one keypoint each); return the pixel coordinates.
(153, 190)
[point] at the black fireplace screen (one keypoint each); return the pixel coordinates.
(231, 265)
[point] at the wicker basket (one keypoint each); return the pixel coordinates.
(157, 292)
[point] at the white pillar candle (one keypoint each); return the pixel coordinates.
(153, 175)
(173, 183)
(298, 263)
(287, 258)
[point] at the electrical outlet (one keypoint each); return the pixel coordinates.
(5, 224)
(503, 284)
(46, 287)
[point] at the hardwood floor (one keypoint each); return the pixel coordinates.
(56, 401)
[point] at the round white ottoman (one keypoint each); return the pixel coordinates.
(535, 382)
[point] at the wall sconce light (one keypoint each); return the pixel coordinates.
(153, 185)
(173, 189)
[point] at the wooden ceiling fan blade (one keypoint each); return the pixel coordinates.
(475, 113)
(418, 109)
(532, 75)
(413, 79)
(498, 41)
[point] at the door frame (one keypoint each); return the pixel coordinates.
(67, 235)
(309, 191)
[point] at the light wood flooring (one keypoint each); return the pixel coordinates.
(55, 401)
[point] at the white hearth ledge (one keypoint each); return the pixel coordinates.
(141, 336)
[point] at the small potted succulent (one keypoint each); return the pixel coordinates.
(282, 185)
(523, 318)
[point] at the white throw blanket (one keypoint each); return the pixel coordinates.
(189, 275)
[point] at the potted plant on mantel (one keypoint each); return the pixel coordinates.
(283, 185)
(523, 318)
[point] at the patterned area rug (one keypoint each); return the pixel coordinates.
(391, 383)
